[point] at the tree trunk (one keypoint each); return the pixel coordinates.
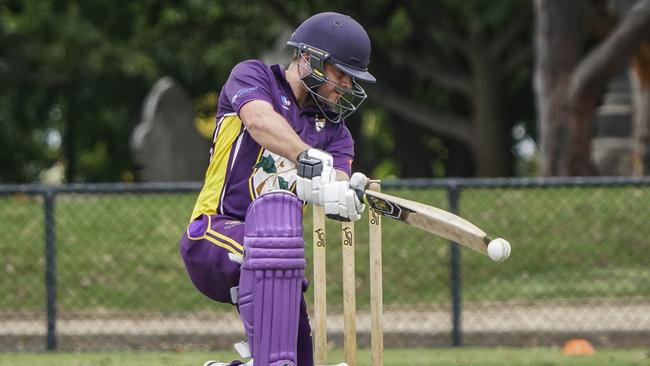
(641, 102)
(414, 158)
(567, 91)
(591, 75)
(580, 134)
(557, 32)
(460, 162)
(490, 142)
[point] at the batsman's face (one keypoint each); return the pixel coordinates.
(338, 83)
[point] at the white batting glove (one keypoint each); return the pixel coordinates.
(358, 182)
(315, 169)
(341, 202)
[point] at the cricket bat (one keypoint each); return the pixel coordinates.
(435, 221)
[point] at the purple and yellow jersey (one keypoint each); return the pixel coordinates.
(240, 169)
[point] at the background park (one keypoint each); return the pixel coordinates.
(529, 118)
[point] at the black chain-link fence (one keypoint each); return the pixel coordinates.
(94, 267)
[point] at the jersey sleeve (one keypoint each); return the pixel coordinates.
(342, 149)
(248, 80)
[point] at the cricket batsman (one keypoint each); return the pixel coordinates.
(280, 142)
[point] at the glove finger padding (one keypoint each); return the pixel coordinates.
(354, 207)
(358, 181)
(341, 203)
(315, 194)
(304, 189)
(334, 198)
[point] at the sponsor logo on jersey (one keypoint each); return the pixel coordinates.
(232, 223)
(286, 103)
(243, 91)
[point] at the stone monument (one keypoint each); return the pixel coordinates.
(166, 143)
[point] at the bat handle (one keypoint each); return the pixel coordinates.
(360, 193)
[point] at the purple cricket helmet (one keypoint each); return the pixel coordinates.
(342, 38)
(341, 41)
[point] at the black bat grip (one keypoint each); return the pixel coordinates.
(360, 193)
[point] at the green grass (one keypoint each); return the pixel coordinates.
(119, 253)
(410, 357)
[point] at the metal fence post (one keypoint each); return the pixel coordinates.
(453, 192)
(50, 268)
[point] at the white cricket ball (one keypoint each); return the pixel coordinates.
(498, 250)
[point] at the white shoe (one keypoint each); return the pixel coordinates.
(218, 363)
(244, 352)
(243, 349)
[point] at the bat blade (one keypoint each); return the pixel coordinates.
(430, 219)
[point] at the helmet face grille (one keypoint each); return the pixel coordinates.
(341, 41)
(346, 104)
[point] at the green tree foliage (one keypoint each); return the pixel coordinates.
(81, 69)
(453, 78)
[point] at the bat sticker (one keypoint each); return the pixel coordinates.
(388, 209)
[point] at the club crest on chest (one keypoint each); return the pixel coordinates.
(319, 123)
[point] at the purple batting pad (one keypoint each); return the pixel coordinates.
(270, 285)
(305, 348)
